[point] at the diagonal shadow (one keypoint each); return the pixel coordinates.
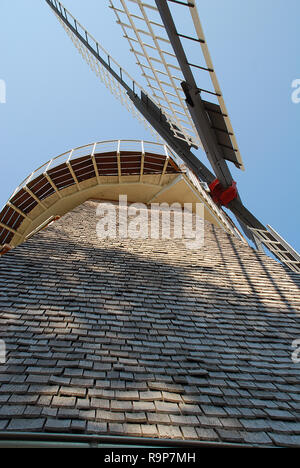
(91, 331)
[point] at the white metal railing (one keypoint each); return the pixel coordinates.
(105, 146)
(116, 146)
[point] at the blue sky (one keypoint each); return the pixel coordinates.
(54, 102)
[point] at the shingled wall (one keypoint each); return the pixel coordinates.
(147, 338)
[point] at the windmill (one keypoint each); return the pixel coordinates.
(127, 342)
(178, 110)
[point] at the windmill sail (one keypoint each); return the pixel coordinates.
(154, 54)
(181, 123)
(129, 92)
(148, 39)
(179, 127)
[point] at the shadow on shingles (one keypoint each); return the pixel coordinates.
(187, 332)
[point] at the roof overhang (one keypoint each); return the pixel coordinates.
(145, 172)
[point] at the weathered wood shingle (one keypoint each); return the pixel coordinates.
(147, 338)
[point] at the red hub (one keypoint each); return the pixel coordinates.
(220, 195)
